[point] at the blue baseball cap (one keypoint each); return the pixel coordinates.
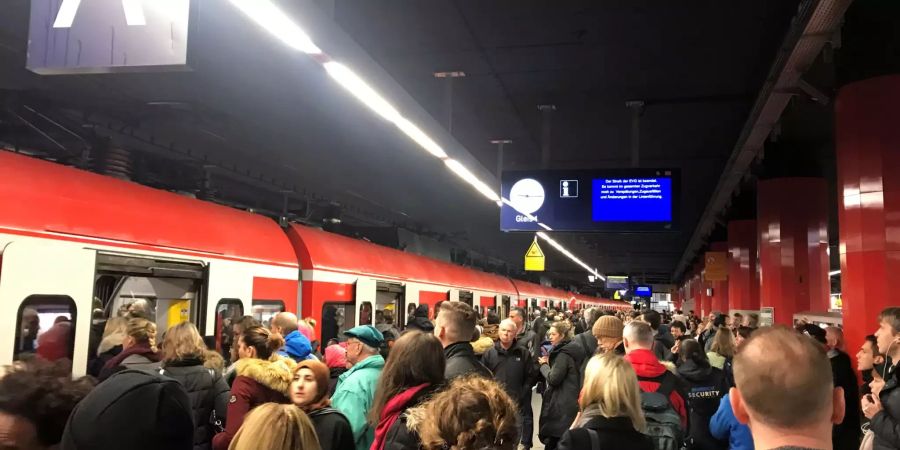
(368, 334)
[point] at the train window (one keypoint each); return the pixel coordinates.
(265, 310)
(164, 291)
(504, 306)
(337, 317)
(365, 313)
(45, 327)
(228, 311)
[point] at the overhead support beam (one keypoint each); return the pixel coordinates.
(546, 115)
(812, 28)
(637, 110)
(448, 95)
(500, 143)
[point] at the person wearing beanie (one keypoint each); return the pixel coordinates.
(133, 409)
(309, 392)
(608, 331)
(262, 377)
(336, 360)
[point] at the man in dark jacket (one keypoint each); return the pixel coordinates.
(419, 320)
(663, 341)
(584, 345)
(454, 327)
(530, 341)
(512, 366)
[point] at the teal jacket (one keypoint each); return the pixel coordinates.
(354, 395)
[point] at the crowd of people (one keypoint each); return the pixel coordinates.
(639, 380)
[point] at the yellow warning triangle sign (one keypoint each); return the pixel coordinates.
(534, 257)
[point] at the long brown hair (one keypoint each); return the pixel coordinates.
(723, 343)
(274, 426)
(415, 358)
(473, 413)
(182, 341)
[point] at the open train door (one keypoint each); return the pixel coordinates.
(45, 300)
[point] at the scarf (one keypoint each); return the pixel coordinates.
(391, 412)
(142, 350)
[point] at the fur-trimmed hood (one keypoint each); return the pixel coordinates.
(213, 360)
(275, 374)
(110, 341)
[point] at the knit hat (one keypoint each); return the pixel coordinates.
(134, 410)
(608, 327)
(322, 374)
(336, 356)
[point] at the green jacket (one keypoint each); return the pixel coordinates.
(354, 395)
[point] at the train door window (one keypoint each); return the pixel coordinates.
(466, 297)
(337, 317)
(265, 310)
(389, 307)
(504, 306)
(165, 291)
(228, 311)
(410, 312)
(365, 313)
(45, 327)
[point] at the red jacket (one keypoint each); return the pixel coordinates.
(647, 366)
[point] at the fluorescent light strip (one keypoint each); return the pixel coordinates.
(273, 19)
(350, 81)
(566, 252)
(134, 12)
(66, 14)
(470, 178)
(270, 17)
(834, 272)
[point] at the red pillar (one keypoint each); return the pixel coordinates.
(743, 282)
(867, 114)
(793, 246)
(719, 301)
(705, 301)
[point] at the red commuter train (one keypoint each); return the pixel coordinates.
(82, 246)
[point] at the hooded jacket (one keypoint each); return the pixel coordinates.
(296, 347)
(354, 395)
(461, 360)
(258, 381)
(492, 331)
(886, 424)
(482, 345)
(132, 409)
(707, 386)
(207, 391)
(419, 320)
(646, 366)
(513, 368)
(560, 405)
(138, 357)
(724, 426)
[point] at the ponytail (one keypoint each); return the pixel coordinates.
(142, 331)
(264, 341)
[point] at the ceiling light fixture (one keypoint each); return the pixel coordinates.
(834, 272)
(134, 13)
(467, 176)
(273, 19)
(66, 15)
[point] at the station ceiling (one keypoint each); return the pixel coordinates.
(258, 125)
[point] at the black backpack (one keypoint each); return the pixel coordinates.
(663, 422)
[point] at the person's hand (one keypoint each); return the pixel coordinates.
(676, 347)
(544, 360)
(870, 408)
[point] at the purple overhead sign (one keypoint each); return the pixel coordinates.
(101, 36)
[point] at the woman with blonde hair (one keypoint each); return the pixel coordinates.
(610, 408)
(722, 350)
(110, 344)
(473, 413)
(184, 358)
(276, 427)
(138, 349)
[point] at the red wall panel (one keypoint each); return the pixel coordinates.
(867, 140)
(743, 281)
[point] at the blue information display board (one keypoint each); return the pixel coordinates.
(591, 200)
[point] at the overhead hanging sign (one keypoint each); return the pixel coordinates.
(534, 257)
(100, 36)
(590, 200)
(716, 267)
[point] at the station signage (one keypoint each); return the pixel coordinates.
(591, 200)
(101, 36)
